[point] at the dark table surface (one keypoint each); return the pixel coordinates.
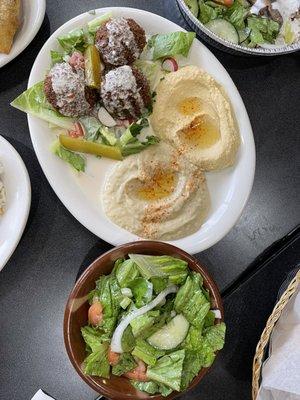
(35, 283)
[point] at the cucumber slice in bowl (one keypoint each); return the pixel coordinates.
(193, 6)
(170, 335)
(224, 30)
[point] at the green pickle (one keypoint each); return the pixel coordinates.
(84, 146)
(92, 67)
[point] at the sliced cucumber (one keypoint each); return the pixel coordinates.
(170, 335)
(224, 30)
(193, 6)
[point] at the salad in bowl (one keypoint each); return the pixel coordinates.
(152, 323)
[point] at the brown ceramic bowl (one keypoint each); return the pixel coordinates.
(119, 388)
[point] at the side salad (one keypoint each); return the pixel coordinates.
(249, 23)
(151, 321)
(88, 124)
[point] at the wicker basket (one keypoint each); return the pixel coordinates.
(265, 336)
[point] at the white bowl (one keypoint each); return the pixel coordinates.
(229, 188)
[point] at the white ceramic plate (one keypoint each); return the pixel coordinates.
(32, 16)
(18, 198)
(229, 188)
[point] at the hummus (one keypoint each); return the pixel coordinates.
(193, 113)
(157, 194)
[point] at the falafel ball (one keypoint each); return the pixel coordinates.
(65, 89)
(120, 41)
(125, 92)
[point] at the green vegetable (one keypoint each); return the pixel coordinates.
(126, 272)
(147, 353)
(97, 363)
(152, 71)
(170, 335)
(128, 340)
(191, 367)
(125, 302)
(209, 320)
(163, 266)
(92, 337)
(262, 30)
(236, 15)
(33, 101)
(142, 291)
(224, 30)
(141, 324)
(208, 12)
(159, 283)
(191, 301)
(171, 44)
(56, 57)
(91, 127)
(214, 336)
(108, 136)
(152, 387)
(289, 35)
(98, 21)
(74, 159)
(74, 40)
(92, 67)
(193, 6)
(126, 363)
(168, 370)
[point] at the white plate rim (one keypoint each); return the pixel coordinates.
(25, 181)
(40, 9)
(110, 237)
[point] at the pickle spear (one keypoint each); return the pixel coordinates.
(92, 67)
(84, 146)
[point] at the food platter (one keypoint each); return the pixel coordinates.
(229, 188)
(18, 198)
(31, 20)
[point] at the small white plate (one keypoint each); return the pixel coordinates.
(32, 15)
(229, 189)
(18, 198)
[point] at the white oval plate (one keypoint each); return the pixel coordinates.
(18, 199)
(32, 15)
(229, 188)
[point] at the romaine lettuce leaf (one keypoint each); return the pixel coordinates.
(168, 370)
(209, 319)
(191, 301)
(91, 127)
(152, 71)
(159, 283)
(93, 338)
(210, 11)
(98, 21)
(75, 160)
(171, 44)
(142, 323)
(142, 291)
(97, 363)
(214, 336)
(262, 30)
(128, 340)
(33, 101)
(135, 146)
(236, 14)
(163, 266)
(74, 40)
(126, 363)
(147, 353)
(57, 57)
(191, 367)
(152, 387)
(126, 271)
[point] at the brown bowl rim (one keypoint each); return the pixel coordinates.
(134, 247)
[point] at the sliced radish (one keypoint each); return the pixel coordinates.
(170, 64)
(105, 118)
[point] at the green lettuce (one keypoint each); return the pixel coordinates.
(142, 291)
(128, 340)
(77, 161)
(93, 338)
(95, 131)
(57, 57)
(191, 301)
(98, 21)
(152, 387)
(33, 101)
(126, 363)
(168, 370)
(147, 353)
(74, 40)
(162, 266)
(97, 363)
(142, 323)
(171, 44)
(209, 11)
(236, 14)
(126, 271)
(214, 336)
(191, 367)
(159, 283)
(262, 30)
(152, 71)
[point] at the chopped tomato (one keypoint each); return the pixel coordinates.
(95, 313)
(138, 373)
(113, 358)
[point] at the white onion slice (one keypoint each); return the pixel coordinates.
(105, 118)
(126, 292)
(116, 345)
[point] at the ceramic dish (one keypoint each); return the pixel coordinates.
(119, 388)
(229, 47)
(32, 16)
(229, 188)
(18, 197)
